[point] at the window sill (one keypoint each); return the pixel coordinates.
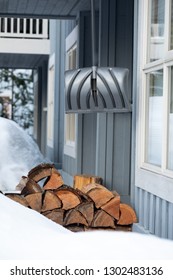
(70, 150)
(153, 182)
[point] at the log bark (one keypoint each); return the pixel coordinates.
(75, 228)
(112, 207)
(35, 201)
(74, 216)
(69, 197)
(56, 216)
(40, 172)
(54, 181)
(22, 183)
(127, 215)
(18, 198)
(31, 187)
(102, 219)
(98, 193)
(81, 180)
(87, 210)
(50, 201)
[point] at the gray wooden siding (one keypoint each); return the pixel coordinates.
(155, 215)
(114, 130)
(104, 139)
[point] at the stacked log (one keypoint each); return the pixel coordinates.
(82, 207)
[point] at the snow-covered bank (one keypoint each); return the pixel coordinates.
(18, 154)
(25, 234)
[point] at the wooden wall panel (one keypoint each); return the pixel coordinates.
(155, 215)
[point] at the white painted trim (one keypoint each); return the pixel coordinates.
(71, 39)
(24, 46)
(70, 148)
(153, 179)
(50, 141)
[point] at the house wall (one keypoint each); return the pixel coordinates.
(153, 205)
(104, 139)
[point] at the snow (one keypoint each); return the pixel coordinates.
(19, 153)
(26, 234)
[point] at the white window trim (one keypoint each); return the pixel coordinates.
(70, 147)
(153, 179)
(50, 142)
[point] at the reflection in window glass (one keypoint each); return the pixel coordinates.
(156, 46)
(170, 126)
(155, 118)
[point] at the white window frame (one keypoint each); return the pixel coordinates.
(70, 146)
(154, 179)
(50, 101)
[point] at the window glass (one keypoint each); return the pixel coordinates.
(157, 17)
(155, 118)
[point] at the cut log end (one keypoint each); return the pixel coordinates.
(127, 215)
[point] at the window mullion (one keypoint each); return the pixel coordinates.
(166, 87)
(167, 25)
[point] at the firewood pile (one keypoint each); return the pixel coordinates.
(88, 205)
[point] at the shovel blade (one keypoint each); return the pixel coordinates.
(111, 93)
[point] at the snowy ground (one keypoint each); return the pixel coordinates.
(18, 154)
(25, 234)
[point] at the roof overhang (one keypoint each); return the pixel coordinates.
(59, 9)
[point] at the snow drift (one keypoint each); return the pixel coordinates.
(18, 154)
(25, 234)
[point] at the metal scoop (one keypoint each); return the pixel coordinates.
(96, 89)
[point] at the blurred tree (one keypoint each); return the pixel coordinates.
(20, 83)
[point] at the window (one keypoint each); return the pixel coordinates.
(155, 114)
(70, 119)
(50, 109)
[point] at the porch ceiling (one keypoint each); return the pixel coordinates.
(48, 9)
(44, 8)
(21, 61)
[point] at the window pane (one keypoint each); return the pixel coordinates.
(170, 126)
(156, 44)
(155, 118)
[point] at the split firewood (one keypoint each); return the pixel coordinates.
(74, 216)
(35, 201)
(98, 193)
(54, 181)
(127, 215)
(22, 183)
(31, 187)
(98, 228)
(40, 172)
(123, 228)
(87, 210)
(81, 180)
(50, 201)
(75, 228)
(69, 197)
(18, 198)
(102, 219)
(56, 216)
(112, 207)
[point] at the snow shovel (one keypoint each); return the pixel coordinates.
(96, 89)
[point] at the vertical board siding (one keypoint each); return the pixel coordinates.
(113, 150)
(110, 151)
(105, 138)
(154, 214)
